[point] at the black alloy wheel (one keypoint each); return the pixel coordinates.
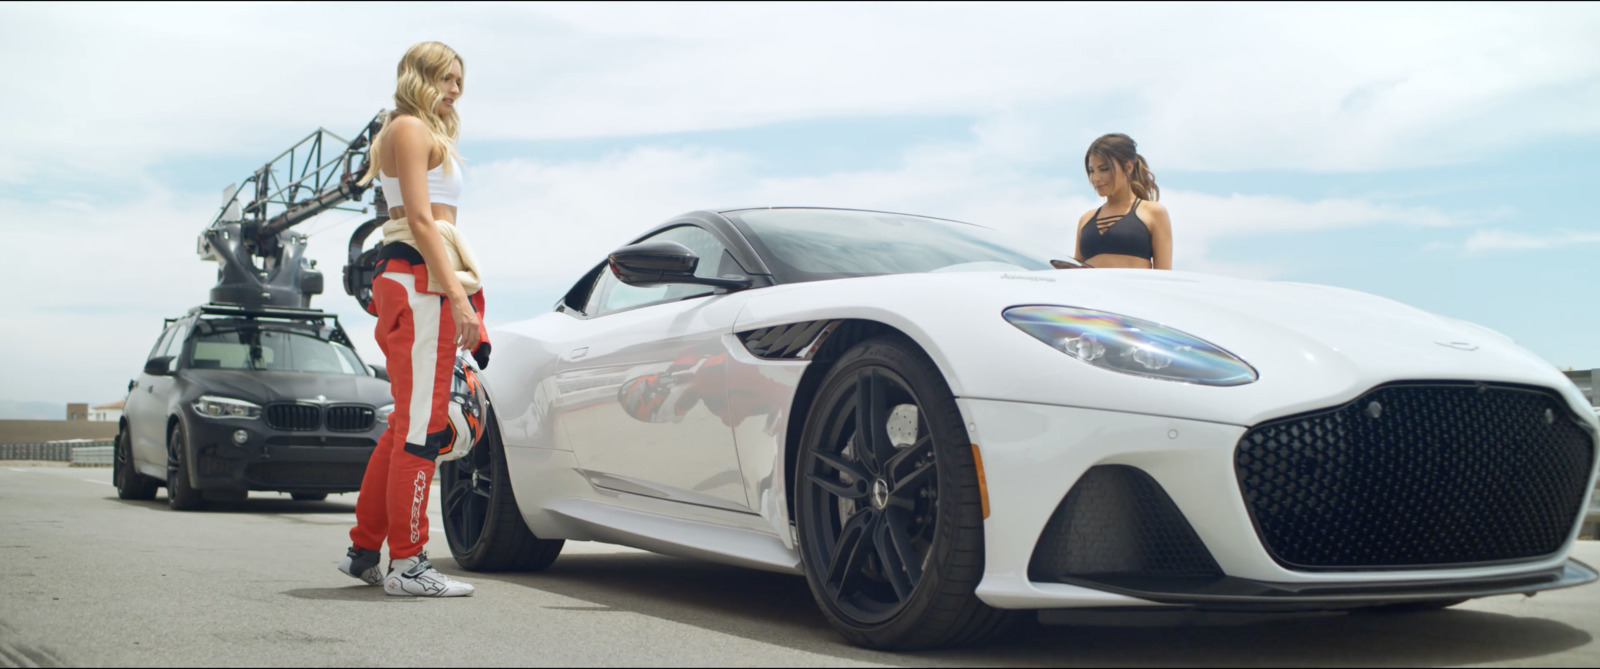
(180, 495)
(482, 524)
(130, 483)
(887, 505)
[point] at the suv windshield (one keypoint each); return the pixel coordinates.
(814, 244)
(248, 346)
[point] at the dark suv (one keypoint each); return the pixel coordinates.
(234, 399)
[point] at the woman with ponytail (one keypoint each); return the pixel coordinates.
(1136, 233)
(429, 303)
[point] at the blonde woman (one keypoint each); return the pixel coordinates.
(1135, 232)
(429, 303)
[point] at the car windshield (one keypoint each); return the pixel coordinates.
(814, 244)
(252, 347)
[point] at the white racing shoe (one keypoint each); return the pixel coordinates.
(363, 564)
(415, 577)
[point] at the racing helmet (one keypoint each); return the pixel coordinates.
(467, 408)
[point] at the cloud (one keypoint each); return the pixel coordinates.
(1311, 87)
(1484, 242)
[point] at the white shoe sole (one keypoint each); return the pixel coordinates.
(419, 588)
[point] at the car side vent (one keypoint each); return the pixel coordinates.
(794, 341)
(1118, 527)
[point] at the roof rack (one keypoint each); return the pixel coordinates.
(255, 310)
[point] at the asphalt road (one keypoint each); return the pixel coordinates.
(87, 579)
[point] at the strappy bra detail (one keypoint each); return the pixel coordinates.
(441, 189)
(1123, 235)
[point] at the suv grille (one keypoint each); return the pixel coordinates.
(1418, 475)
(351, 418)
(294, 417)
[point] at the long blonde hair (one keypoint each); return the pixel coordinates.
(416, 93)
(1121, 150)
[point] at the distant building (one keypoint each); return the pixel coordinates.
(78, 411)
(106, 412)
(1585, 379)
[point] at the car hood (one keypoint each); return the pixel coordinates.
(1312, 345)
(267, 387)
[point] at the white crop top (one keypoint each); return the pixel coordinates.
(441, 189)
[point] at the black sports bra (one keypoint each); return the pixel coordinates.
(1123, 235)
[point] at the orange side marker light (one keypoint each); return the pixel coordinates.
(983, 486)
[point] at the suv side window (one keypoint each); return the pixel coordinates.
(611, 295)
(174, 347)
(161, 342)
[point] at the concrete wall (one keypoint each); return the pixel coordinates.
(38, 431)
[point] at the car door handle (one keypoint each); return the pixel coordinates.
(576, 353)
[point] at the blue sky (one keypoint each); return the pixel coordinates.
(1438, 158)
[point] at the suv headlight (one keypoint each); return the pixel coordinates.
(1131, 346)
(384, 411)
(223, 407)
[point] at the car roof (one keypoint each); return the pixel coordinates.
(867, 211)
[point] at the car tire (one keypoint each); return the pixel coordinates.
(130, 483)
(482, 524)
(1412, 607)
(308, 496)
(180, 495)
(892, 555)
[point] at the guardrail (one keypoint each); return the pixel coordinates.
(91, 456)
(95, 453)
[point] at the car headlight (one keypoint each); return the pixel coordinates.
(384, 411)
(222, 407)
(1131, 346)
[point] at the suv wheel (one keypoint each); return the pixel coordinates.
(130, 483)
(180, 495)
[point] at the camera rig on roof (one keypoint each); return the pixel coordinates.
(260, 261)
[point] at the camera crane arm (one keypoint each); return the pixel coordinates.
(261, 261)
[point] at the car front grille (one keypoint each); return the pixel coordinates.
(1418, 474)
(351, 418)
(294, 417)
(342, 475)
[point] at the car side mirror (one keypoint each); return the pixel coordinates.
(1067, 264)
(158, 366)
(379, 371)
(663, 262)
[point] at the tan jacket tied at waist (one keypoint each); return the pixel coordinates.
(455, 245)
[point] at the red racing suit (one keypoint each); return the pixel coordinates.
(417, 335)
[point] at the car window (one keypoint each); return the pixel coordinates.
(583, 292)
(265, 349)
(611, 295)
(174, 346)
(161, 342)
(803, 244)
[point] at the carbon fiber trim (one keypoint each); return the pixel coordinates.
(794, 341)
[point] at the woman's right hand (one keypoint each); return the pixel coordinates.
(466, 321)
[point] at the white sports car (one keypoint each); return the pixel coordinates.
(942, 432)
